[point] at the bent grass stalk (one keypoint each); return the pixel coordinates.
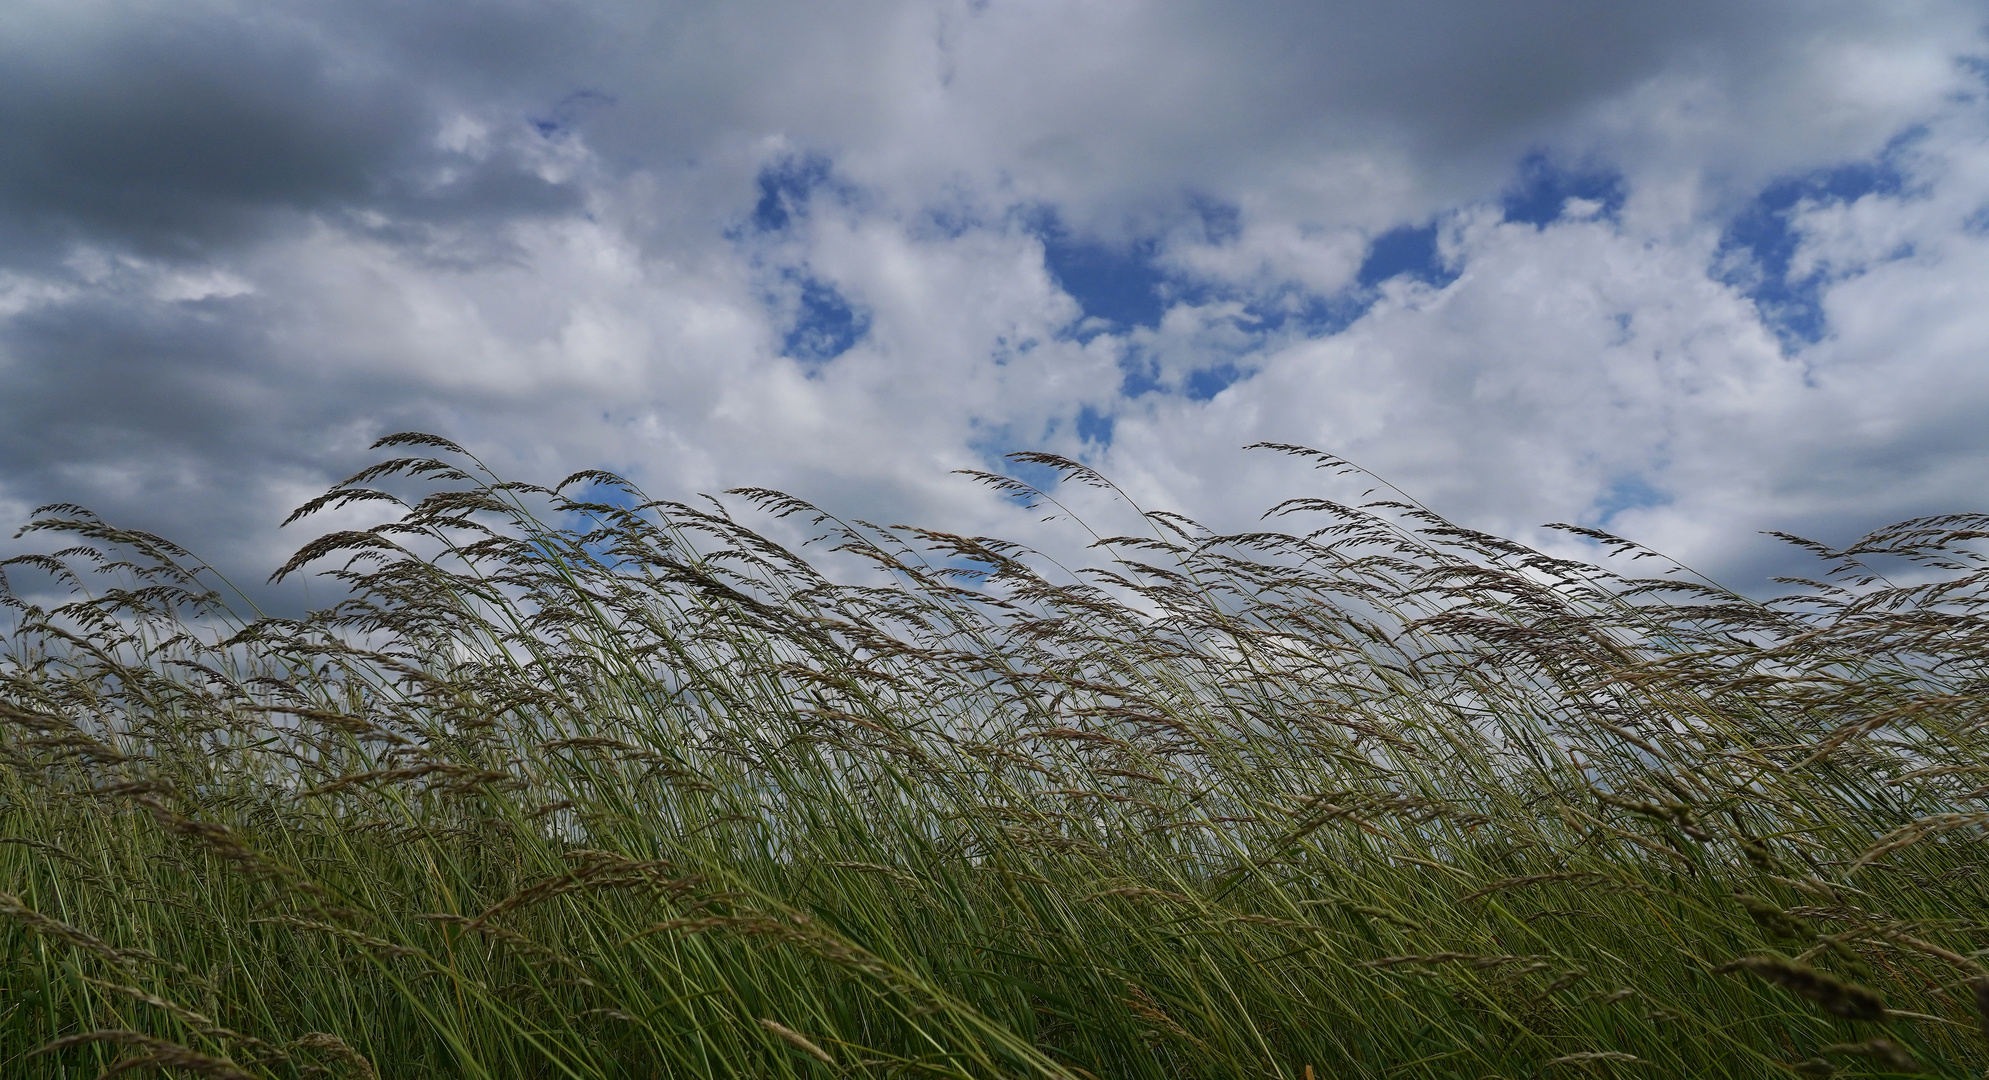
(575, 783)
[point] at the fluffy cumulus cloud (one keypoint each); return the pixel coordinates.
(1681, 271)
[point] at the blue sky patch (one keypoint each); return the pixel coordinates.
(1006, 349)
(1041, 477)
(1306, 313)
(1205, 383)
(951, 222)
(827, 325)
(1117, 283)
(1760, 243)
(1094, 426)
(1543, 191)
(1628, 493)
(784, 189)
(1408, 249)
(1623, 320)
(1141, 373)
(995, 442)
(596, 491)
(1222, 223)
(565, 114)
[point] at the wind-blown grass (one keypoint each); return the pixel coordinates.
(648, 795)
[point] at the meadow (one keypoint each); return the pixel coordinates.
(576, 784)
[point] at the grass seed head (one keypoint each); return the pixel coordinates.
(337, 1048)
(1777, 923)
(1883, 1052)
(1833, 995)
(799, 1041)
(1595, 1057)
(955, 811)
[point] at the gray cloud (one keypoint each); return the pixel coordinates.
(237, 242)
(183, 130)
(169, 129)
(190, 123)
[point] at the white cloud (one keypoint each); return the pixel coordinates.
(541, 237)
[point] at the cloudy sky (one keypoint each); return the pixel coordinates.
(1684, 271)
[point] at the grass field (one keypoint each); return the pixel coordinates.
(578, 785)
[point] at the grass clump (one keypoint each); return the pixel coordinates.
(576, 784)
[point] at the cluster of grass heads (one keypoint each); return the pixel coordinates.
(581, 785)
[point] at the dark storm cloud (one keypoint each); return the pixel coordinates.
(167, 417)
(174, 130)
(176, 127)
(171, 128)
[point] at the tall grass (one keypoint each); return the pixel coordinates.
(576, 784)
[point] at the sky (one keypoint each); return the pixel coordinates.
(1684, 272)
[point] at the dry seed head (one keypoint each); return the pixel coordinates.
(1143, 1006)
(379, 946)
(1919, 830)
(11, 907)
(799, 1041)
(1900, 937)
(1759, 856)
(1831, 994)
(1560, 983)
(1632, 738)
(1889, 1054)
(1595, 1057)
(1814, 886)
(596, 871)
(1777, 923)
(327, 1043)
(1848, 959)
(1385, 916)
(512, 938)
(1085, 639)
(161, 1054)
(179, 1012)
(1672, 813)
